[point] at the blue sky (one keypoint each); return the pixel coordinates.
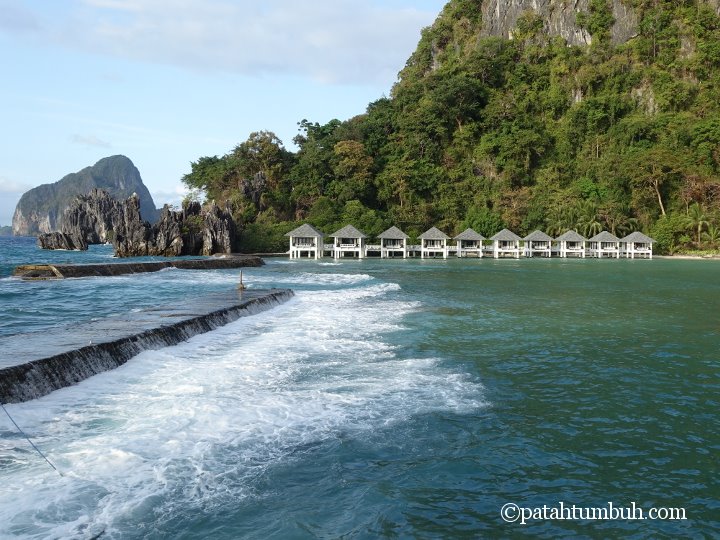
(167, 81)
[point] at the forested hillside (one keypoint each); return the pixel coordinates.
(524, 133)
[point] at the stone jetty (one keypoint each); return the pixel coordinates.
(35, 364)
(60, 271)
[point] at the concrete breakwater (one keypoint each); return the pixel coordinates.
(33, 365)
(60, 271)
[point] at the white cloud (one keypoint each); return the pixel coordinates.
(11, 186)
(335, 41)
(89, 140)
(10, 193)
(17, 19)
(173, 197)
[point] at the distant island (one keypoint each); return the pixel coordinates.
(6, 230)
(41, 209)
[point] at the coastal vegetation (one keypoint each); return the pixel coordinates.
(525, 133)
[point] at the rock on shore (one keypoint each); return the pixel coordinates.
(97, 218)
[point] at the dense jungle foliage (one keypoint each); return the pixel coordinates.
(527, 133)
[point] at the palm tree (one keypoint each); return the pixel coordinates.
(560, 218)
(617, 220)
(587, 222)
(696, 219)
(712, 236)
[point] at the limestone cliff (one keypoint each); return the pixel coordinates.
(41, 209)
(194, 230)
(90, 219)
(98, 218)
(500, 17)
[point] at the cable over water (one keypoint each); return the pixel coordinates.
(29, 440)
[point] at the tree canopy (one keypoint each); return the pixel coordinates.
(528, 133)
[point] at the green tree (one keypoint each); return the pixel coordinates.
(653, 169)
(352, 168)
(712, 235)
(696, 220)
(483, 221)
(263, 152)
(588, 221)
(209, 174)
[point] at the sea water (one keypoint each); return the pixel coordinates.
(391, 399)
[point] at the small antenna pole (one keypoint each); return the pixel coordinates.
(241, 286)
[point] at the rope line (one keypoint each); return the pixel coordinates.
(28, 440)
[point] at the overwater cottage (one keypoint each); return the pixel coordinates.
(348, 242)
(604, 244)
(637, 245)
(433, 242)
(571, 244)
(469, 243)
(393, 243)
(306, 241)
(538, 243)
(506, 244)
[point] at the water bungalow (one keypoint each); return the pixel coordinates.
(306, 241)
(506, 244)
(571, 244)
(433, 242)
(637, 245)
(393, 243)
(469, 243)
(538, 243)
(348, 242)
(604, 244)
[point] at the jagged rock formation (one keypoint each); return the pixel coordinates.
(193, 230)
(91, 219)
(500, 17)
(59, 240)
(97, 218)
(42, 209)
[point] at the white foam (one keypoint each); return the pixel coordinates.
(194, 425)
(311, 278)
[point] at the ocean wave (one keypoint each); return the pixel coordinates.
(196, 425)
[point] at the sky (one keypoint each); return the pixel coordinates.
(165, 82)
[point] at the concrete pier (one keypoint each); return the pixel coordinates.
(34, 364)
(60, 271)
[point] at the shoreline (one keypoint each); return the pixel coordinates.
(689, 257)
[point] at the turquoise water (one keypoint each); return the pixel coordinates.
(392, 399)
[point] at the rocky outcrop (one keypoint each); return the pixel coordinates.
(90, 219)
(42, 209)
(559, 19)
(194, 230)
(97, 218)
(59, 240)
